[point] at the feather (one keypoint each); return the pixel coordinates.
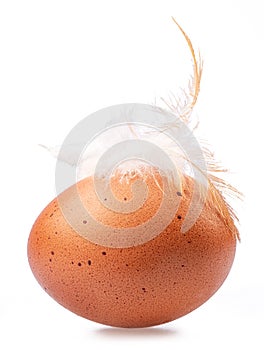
(177, 113)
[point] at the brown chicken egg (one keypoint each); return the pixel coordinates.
(141, 285)
(143, 245)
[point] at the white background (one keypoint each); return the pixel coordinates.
(62, 60)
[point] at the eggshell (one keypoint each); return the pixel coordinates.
(139, 286)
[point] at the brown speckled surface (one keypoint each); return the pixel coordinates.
(140, 286)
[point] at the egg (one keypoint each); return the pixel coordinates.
(147, 282)
(140, 245)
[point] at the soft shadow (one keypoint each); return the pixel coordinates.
(158, 331)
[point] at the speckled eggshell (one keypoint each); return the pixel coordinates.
(141, 286)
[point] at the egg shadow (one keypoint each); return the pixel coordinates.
(156, 331)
